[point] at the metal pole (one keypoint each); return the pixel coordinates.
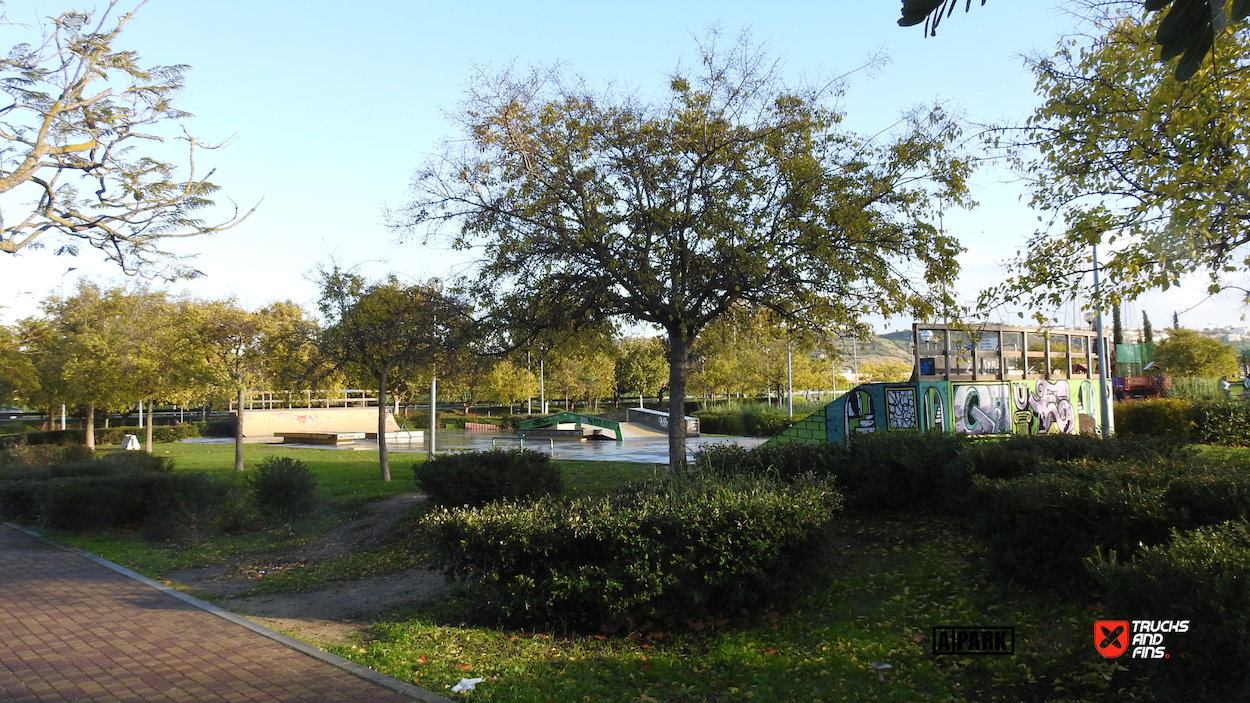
(789, 382)
(62, 415)
(529, 402)
(433, 414)
(542, 386)
(141, 425)
(1103, 357)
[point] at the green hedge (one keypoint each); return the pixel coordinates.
(1201, 576)
(1158, 417)
(923, 471)
(477, 478)
(1223, 422)
(113, 435)
(1042, 526)
(663, 549)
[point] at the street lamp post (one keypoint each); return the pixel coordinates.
(1105, 413)
(436, 286)
(71, 268)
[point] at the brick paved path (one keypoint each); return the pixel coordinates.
(74, 630)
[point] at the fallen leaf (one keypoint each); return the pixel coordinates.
(918, 638)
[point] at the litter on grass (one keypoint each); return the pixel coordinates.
(466, 685)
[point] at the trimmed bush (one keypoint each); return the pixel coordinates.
(283, 488)
(665, 549)
(1044, 525)
(478, 478)
(44, 455)
(1224, 422)
(1201, 576)
(877, 471)
(1159, 417)
(721, 423)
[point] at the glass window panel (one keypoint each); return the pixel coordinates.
(932, 340)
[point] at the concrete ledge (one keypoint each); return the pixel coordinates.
(331, 438)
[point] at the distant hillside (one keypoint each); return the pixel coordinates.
(894, 345)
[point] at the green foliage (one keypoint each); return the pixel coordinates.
(44, 454)
(116, 490)
(879, 471)
(106, 193)
(1042, 525)
(747, 420)
(1113, 124)
(1223, 422)
(113, 435)
(283, 488)
(1187, 353)
(662, 549)
(1158, 417)
(478, 478)
(640, 366)
(1195, 388)
(685, 226)
(1200, 576)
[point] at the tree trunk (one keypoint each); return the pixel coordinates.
(383, 459)
(678, 348)
(90, 425)
(238, 430)
(148, 436)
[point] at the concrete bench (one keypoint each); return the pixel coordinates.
(336, 439)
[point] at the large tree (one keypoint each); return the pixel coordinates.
(385, 327)
(109, 348)
(77, 165)
(640, 366)
(1187, 353)
(1154, 170)
(731, 187)
(1187, 28)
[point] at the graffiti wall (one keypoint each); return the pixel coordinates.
(980, 408)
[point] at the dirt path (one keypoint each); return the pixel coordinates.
(334, 613)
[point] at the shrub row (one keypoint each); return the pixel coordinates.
(477, 478)
(1045, 524)
(111, 435)
(1199, 576)
(131, 499)
(135, 490)
(748, 422)
(1224, 422)
(918, 471)
(668, 549)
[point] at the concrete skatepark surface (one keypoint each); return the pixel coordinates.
(642, 445)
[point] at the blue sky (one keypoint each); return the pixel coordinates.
(327, 110)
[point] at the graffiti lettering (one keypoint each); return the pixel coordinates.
(1050, 406)
(982, 409)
